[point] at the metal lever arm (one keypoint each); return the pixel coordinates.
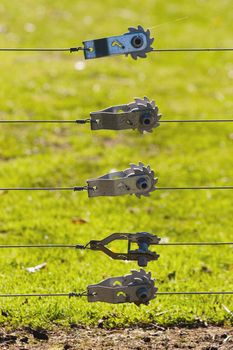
(142, 254)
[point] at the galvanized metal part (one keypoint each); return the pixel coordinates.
(138, 180)
(136, 42)
(140, 114)
(142, 255)
(137, 288)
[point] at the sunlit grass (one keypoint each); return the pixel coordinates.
(53, 86)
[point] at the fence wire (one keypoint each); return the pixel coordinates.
(80, 246)
(85, 294)
(85, 121)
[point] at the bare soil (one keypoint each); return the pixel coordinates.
(152, 337)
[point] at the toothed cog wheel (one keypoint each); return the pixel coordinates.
(149, 114)
(147, 291)
(146, 182)
(138, 41)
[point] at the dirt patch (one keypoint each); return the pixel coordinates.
(153, 337)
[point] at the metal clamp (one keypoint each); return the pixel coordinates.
(141, 114)
(136, 42)
(138, 180)
(142, 255)
(137, 288)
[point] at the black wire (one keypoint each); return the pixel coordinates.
(84, 121)
(195, 188)
(194, 49)
(86, 188)
(75, 188)
(78, 121)
(38, 49)
(73, 49)
(195, 293)
(79, 246)
(42, 246)
(195, 243)
(73, 294)
(38, 189)
(198, 121)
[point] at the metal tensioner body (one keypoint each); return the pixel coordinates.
(140, 114)
(136, 42)
(138, 288)
(142, 255)
(138, 180)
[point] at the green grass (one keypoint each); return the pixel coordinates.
(48, 86)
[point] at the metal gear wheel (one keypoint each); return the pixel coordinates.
(144, 184)
(137, 278)
(137, 42)
(150, 114)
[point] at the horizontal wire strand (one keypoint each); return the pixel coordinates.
(73, 294)
(73, 49)
(2, 246)
(194, 188)
(197, 121)
(34, 49)
(77, 121)
(195, 243)
(38, 189)
(79, 246)
(194, 49)
(43, 49)
(196, 293)
(86, 188)
(83, 121)
(75, 188)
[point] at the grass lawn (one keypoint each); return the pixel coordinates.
(58, 86)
